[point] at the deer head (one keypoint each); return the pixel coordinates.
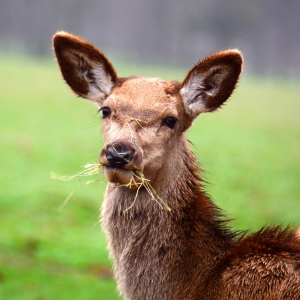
(144, 119)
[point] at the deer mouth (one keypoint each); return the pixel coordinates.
(119, 161)
(129, 178)
(121, 176)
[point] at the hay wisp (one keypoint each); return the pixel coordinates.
(89, 170)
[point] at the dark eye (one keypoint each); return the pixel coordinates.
(170, 122)
(105, 112)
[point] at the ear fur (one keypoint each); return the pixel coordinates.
(86, 70)
(210, 83)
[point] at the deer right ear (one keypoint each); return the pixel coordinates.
(86, 70)
(210, 83)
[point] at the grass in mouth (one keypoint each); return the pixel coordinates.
(138, 180)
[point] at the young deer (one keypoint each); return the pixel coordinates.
(181, 250)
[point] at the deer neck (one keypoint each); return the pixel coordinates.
(161, 251)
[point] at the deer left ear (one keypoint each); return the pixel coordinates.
(210, 83)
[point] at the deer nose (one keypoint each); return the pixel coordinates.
(118, 155)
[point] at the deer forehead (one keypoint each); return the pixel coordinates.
(147, 99)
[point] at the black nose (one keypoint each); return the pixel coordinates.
(118, 155)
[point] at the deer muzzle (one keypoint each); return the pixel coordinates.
(117, 159)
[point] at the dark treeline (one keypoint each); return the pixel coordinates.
(168, 31)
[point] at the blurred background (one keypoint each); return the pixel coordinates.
(250, 150)
(173, 32)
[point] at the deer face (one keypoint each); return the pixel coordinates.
(144, 119)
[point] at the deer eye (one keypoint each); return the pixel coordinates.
(170, 122)
(105, 112)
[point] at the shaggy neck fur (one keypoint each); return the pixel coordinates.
(158, 254)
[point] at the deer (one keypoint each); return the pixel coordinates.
(167, 238)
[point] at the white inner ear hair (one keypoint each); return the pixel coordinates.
(100, 88)
(192, 96)
(100, 83)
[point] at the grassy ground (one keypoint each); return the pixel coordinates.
(250, 151)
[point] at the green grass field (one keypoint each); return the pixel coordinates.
(250, 151)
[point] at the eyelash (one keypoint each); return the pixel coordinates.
(105, 112)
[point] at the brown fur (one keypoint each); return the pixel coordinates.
(188, 252)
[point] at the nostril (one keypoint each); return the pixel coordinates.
(127, 155)
(118, 156)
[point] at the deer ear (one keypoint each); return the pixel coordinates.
(86, 70)
(210, 83)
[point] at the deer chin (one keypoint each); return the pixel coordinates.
(121, 176)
